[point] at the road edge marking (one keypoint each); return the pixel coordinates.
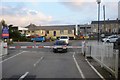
(23, 76)
(95, 70)
(12, 56)
(38, 61)
(78, 67)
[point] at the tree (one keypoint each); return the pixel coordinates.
(3, 23)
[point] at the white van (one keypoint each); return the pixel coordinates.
(64, 38)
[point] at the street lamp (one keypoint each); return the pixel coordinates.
(98, 2)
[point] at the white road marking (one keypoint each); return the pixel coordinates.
(95, 70)
(23, 76)
(51, 52)
(2, 56)
(12, 56)
(78, 67)
(38, 61)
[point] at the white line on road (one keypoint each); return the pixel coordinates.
(78, 67)
(2, 56)
(12, 56)
(23, 76)
(95, 70)
(38, 61)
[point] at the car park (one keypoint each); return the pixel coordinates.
(64, 38)
(110, 39)
(60, 46)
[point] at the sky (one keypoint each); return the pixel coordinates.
(55, 12)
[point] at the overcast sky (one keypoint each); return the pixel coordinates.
(52, 12)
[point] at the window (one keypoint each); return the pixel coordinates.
(41, 32)
(61, 31)
(64, 37)
(69, 31)
(54, 33)
(47, 32)
(20, 30)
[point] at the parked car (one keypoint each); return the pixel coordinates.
(64, 38)
(111, 39)
(118, 41)
(117, 44)
(38, 39)
(60, 46)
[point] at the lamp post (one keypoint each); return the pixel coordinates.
(98, 2)
(0, 31)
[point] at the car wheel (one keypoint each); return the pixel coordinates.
(108, 41)
(54, 51)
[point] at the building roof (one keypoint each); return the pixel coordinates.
(83, 26)
(51, 27)
(107, 22)
(21, 28)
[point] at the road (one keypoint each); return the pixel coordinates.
(43, 63)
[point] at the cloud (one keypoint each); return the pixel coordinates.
(89, 9)
(22, 16)
(58, 1)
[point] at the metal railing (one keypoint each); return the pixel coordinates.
(105, 55)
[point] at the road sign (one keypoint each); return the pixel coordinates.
(5, 32)
(0, 31)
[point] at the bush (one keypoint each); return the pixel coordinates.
(53, 38)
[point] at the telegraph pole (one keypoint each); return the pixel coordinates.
(104, 18)
(0, 30)
(98, 2)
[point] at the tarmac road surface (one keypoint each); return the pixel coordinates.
(43, 63)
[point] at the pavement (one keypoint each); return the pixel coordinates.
(43, 63)
(107, 75)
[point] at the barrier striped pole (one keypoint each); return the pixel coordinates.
(34, 44)
(18, 47)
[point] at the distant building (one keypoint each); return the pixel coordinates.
(22, 30)
(119, 10)
(14, 28)
(111, 26)
(58, 30)
(84, 29)
(52, 30)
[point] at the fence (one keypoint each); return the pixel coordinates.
(105, 55)
(3, 51)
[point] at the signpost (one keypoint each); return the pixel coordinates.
(0, 31)
(5, 32)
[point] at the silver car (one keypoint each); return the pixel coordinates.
(112, 38)
(60, 46)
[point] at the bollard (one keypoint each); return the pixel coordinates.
(119, 62)
(5, 50)
(1, 48)
(34, 44)
(116, 64)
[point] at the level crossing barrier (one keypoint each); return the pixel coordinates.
(18, 47)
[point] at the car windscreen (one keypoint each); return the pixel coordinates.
(63, 37)
(60, 43)
(41, 37)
